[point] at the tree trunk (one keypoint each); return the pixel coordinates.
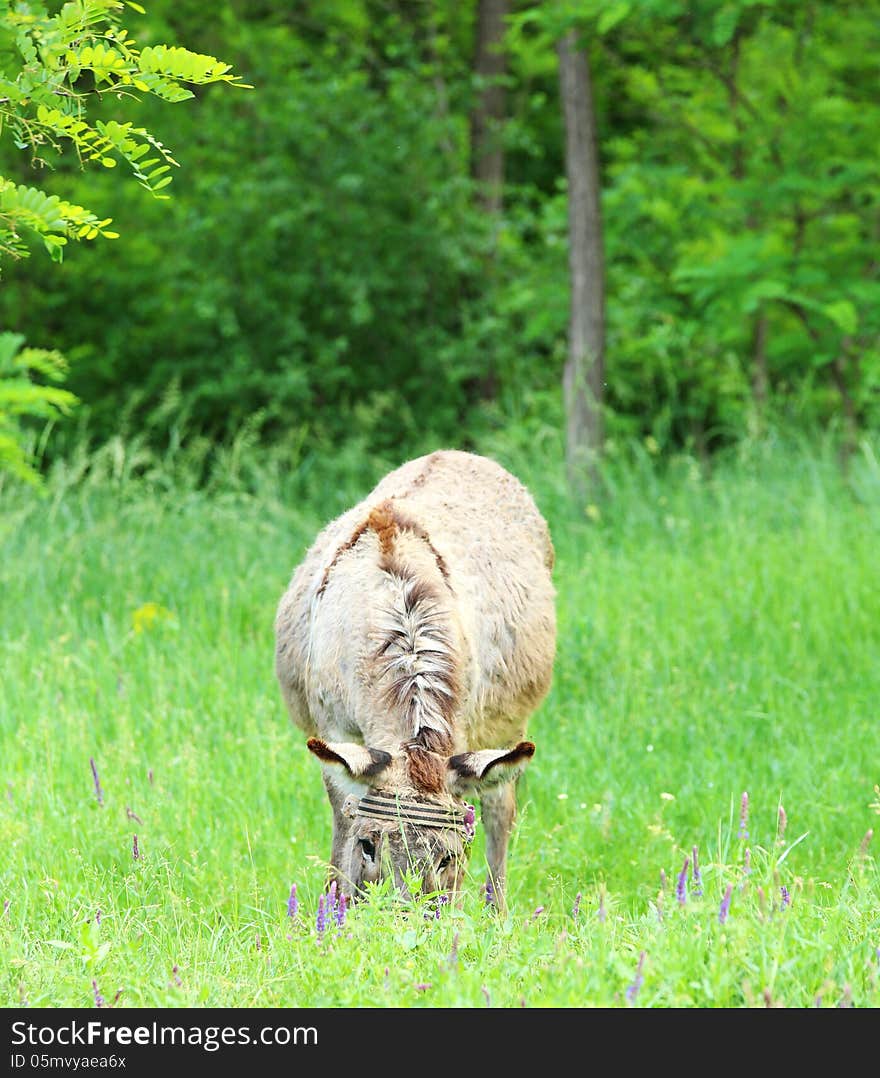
(584, 377)
(487, 151)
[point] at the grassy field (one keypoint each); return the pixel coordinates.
(718, 634)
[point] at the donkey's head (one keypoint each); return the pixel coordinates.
(407, 814)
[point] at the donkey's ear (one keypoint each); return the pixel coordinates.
(357, 760)
(488, 767)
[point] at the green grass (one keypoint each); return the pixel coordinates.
(716, 634)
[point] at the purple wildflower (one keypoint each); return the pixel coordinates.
(600, 913)
(133, 816)
(340, 911)
(744, 816)
(747, 861)
(576, 908)
(781, 826)
(725, 905)
(99, 793)
(321, 918)
(785, 896)
(490, 893)
(135, 852)
(536, 914)
(175, 974)
(99, 999)
(292, 902)
(331, 898)
(698, 879)
(442, 900)
(6, 905)
(97, 916)
(423, 987)
(638, 980)
(681, 885)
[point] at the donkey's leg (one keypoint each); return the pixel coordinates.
(340, 833)
(498, 809)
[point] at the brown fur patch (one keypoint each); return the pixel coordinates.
(386, 521)
(426, 770)
(467, 763)
(378, 757)
(401, 522)
(358, 532)
(322, 750)
(383, 521)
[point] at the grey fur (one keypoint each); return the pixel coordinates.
(423, 616)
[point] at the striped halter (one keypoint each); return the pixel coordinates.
(419, 813)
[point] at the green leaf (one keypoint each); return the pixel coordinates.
(725, 24)
(843, 314)
(43, 51)
(612, 15)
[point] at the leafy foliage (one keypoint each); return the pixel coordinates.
(325, 266)
(50, 217)
(740, 200)
(21, 396)
(323, 262)
(51, 65)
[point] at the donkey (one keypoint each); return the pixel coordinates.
(418, 632)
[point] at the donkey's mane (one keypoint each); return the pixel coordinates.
(416, 667)
(415, 661)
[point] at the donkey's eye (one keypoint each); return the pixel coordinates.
(368, 848)
(444, 862)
